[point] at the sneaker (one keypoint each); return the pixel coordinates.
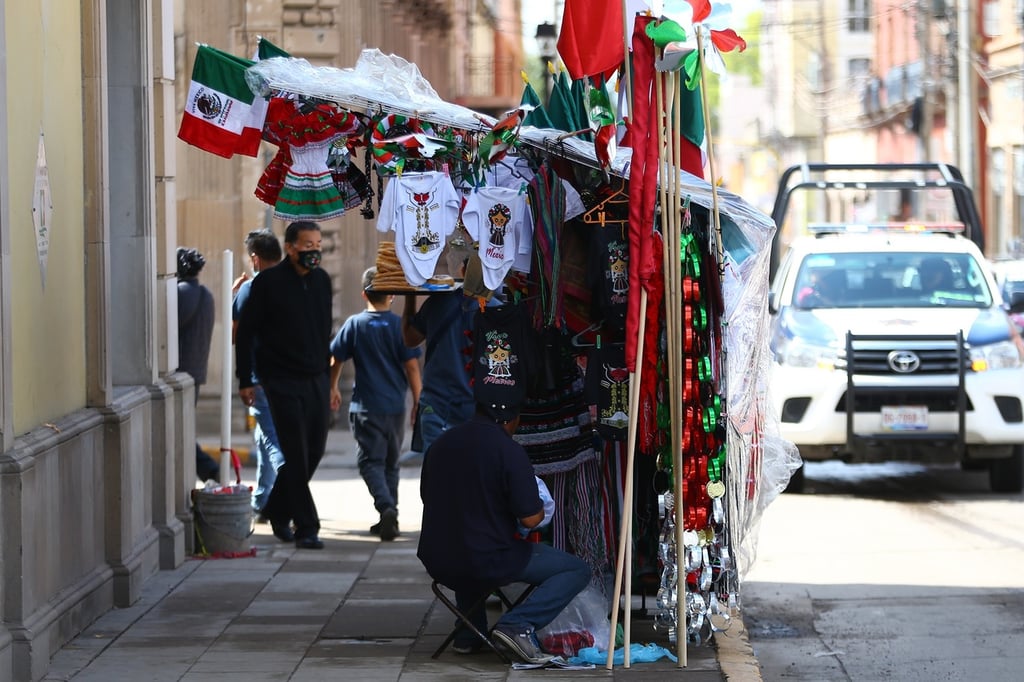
(467, 649)
(522, 643)
(389, 525)
(375, 529)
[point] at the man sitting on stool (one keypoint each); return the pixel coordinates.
(477, 484)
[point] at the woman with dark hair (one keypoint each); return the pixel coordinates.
(195, 330)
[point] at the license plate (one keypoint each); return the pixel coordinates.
(905, 418)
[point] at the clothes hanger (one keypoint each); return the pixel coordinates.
(598, 215)
(577, 338)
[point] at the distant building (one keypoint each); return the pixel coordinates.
(893, 81)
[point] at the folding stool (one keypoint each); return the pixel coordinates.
(484, 639)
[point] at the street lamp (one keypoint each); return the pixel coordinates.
(547, 45)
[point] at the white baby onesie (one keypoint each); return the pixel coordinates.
(422, 209)
(494, 217)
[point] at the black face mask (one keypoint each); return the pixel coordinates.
(309, 259)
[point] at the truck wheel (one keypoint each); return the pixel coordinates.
(796, 482)
(1007, 475)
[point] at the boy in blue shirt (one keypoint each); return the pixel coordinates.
(385, 369)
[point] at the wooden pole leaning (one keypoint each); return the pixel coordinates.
(624, 554)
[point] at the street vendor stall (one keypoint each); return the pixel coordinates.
(638, 357)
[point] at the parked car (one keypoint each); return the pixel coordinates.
(1010, 277)
(890, 336)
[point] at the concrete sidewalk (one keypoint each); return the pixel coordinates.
(359, 609)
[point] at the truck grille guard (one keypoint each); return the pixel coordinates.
(938, 355)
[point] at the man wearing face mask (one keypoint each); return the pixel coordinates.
(285, 330)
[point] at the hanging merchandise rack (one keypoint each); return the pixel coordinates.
(717, 436)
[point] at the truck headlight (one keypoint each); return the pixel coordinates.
(1001, 355)
(802, 354)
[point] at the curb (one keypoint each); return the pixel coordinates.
(735, 655)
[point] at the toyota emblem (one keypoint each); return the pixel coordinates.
(904, 361)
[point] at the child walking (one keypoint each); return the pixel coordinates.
(385, 369)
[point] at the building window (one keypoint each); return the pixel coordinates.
(1018, 191)
(997, 218)
(858, 68)
(895, 85)
(858, 16)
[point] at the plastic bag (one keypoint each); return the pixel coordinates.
(638, 653)
(582, 623)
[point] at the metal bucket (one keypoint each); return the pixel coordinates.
(223, 521)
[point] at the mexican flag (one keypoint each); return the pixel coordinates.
(222, 115)
(267, 50)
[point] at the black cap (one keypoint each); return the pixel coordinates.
(502, 414)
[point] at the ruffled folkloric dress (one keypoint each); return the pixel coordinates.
(306, 133)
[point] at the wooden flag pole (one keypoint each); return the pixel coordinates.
(711, 146)
(624, 555)
(626, 523)
(675, 333)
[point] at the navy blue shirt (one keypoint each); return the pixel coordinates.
(285, 325)
(373, 341)
(446, 320)
(476, 483)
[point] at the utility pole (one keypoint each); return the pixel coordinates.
(967, 94)
(825, 82)
(924, 37)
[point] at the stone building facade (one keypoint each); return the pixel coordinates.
(96, 192)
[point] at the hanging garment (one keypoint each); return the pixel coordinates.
(579, 521)
(270, 183)
(309, 192)
(548, 206)
(607, 387)
(495, 217)
(309, 131)
(503, 358)
(422, 209)
(279, 112)
(350, 181)
(555, 425)
(608, 273)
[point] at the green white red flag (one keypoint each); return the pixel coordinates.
(222, 115)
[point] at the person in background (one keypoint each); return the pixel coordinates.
(385, 369)
(936, 275)
(480, 496)
(285, 331)
(445, 323)
(195, 331)
(264, 251)
(824, 289)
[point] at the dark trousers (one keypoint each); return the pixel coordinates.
(559, 577)
(378, 446)
(207, 468)
(301, 412)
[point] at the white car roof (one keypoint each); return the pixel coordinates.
(858, 243)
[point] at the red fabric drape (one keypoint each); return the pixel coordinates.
(590, 40)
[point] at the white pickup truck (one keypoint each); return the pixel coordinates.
(889, 335)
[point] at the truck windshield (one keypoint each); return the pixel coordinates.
(890, 280)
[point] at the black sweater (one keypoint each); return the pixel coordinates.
(287, 319)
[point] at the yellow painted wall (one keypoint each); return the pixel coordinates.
(44, 93)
